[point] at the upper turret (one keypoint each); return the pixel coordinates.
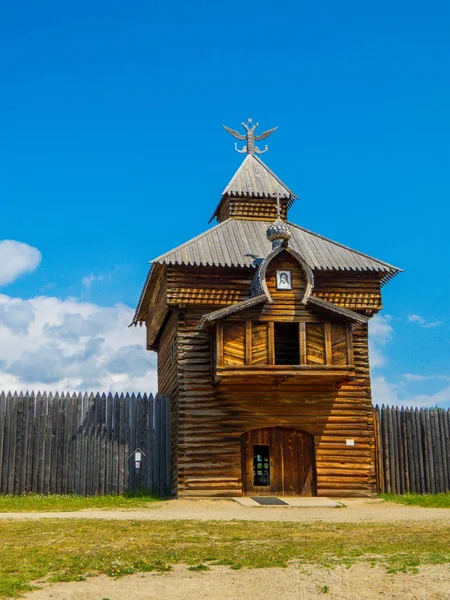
(251, 193)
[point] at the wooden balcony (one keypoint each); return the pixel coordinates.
(276, 353)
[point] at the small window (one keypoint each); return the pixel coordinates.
(261, 465)
(287, 344)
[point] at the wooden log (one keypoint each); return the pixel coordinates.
(396, 446)
(6, 428)
(408, 448)
(385, 442)
(46, 471)
(116, 441)
(3, 409)
(418, 435)
(392, 456)
(66, 444)
(429, 453)
(437, 452)
(446, 437)
(127, 441)
(36, 433)
(404, 434)
(108, 444)
(54, 446)
(84, 432)
(102, 446)
(12, 442)
(121, 446)
(60, 443)
(20, 427)
(151, 445)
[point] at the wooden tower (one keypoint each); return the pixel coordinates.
(261, 332)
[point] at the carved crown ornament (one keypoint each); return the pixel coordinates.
(250, 137)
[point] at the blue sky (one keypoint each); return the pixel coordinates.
(112, 151)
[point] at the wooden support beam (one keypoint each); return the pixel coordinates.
(328, 349)
(350, 357)
(271, 343)
(248, 342)
(302, 335)
(219, 342)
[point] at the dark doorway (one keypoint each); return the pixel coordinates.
(278, 461)
(287, 344)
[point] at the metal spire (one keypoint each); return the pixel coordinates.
(250, 137)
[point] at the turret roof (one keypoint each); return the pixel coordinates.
(254, 179)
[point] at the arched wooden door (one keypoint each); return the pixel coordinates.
(278, 461)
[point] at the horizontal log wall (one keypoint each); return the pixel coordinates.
(212, 420)
(354, 290)
(207, 285)
(81, 444)
(224, 286)
(168, 385)
(413, 450)
(248, 208)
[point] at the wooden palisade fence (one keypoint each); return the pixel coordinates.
(412, 450)
(83, 443)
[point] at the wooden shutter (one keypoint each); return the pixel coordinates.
(339, 350)
(234, 343)
(260, 344)
(315, 344)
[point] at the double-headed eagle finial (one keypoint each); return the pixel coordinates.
(250, 137)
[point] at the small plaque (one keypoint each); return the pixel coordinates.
(349, 442)
(284, 280)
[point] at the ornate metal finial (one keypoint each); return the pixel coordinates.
(278, 233)
(250, 136)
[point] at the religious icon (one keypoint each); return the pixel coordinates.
(284, 281)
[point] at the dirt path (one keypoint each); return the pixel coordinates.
(359, 582)
(354, 511)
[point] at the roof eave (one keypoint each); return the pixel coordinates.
(136, 318)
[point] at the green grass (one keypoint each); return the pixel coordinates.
(60, 550)
(56, 503)
(426, 500)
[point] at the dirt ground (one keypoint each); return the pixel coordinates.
(356, 510)
(359, 582)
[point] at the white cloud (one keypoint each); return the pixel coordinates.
(394, 394)
(384, 392)
(441, 399)
(17, 258)
(380, 332)
(62, 345)
(90, 279)
(418, 377)
(423, 322)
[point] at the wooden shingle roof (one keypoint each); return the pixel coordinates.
(242, 243)
(254, 178)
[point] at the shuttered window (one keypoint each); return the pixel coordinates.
(257, 343)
